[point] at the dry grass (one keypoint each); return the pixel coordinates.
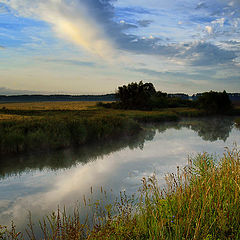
(10, 117)
(48, 105)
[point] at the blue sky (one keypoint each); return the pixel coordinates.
(93, 46)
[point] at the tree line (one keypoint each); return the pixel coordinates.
(143, 96)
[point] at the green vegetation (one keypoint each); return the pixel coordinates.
(214, 102)
(208, 128)
(37, 130)
(61, 132)
(143, 96)
(199, 202)
(49, 126)
(61, 125)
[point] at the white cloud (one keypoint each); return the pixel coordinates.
(209, 29)
(220, 21)
(71, 20)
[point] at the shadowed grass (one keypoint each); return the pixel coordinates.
(25, 130)
(199, 202)
(61, 132)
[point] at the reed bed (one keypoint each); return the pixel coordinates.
(201, 201)
(57, 132)
(25, 130)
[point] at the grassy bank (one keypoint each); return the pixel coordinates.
(199, 202)
(60, 125)
(47, 126)
(202, 202)
(58, 132)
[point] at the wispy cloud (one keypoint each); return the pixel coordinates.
(203, 53)
(71, 20)
(71, 62)
(171, 39)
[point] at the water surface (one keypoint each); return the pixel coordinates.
(40, 182)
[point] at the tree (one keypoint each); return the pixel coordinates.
(136, 95)
(214, 102)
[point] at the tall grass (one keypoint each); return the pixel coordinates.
(200, 201)
(61, 132)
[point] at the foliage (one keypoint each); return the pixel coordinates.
(136, 95)
(214, 102)
(143, 96)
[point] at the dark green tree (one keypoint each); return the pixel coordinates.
(136, 95)
(214, 102)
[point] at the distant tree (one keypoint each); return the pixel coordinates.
(159, 100)
(136, 95)
(214, 102)
(143, 96)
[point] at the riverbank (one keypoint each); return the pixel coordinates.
(50, 126)
(200, 201)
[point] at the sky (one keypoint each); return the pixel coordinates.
(94, 46)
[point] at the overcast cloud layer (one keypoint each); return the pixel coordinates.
(92, 46)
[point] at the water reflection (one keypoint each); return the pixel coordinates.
(209, 129)
(62, 178)
(68, 158)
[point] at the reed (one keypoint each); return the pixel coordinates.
(61, 132)
(202, 202)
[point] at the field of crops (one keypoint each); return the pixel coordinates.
(48, 105)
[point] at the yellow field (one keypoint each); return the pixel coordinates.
(13, 117)
(48, 105)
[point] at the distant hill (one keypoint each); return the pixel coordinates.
(56, 98)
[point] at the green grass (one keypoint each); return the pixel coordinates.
(199, 202)
(61, 132)
(49, 126)
(38, 130)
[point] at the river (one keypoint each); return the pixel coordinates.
(41, 182)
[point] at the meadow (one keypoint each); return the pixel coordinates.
(200, 201)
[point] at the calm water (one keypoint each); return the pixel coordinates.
(39, 183)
